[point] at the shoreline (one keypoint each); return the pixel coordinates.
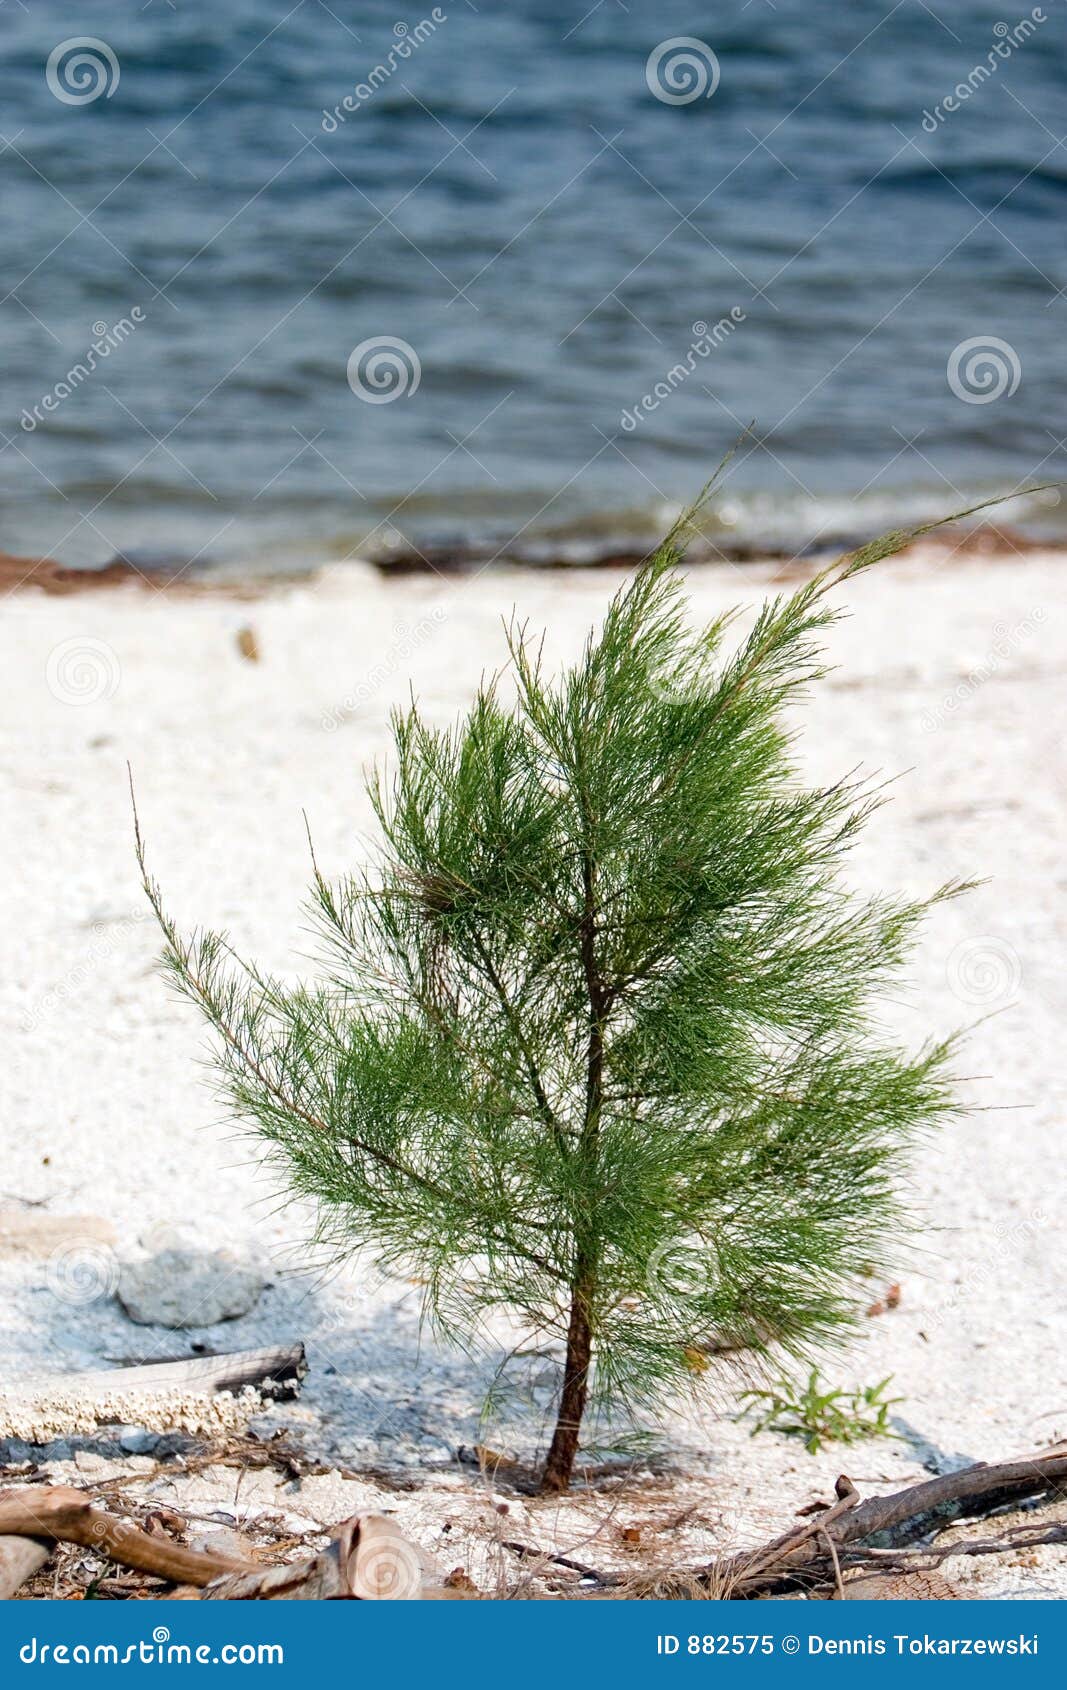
(995, 542)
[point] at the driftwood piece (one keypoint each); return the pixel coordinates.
(368, 1559)
(905, 1515)
(185, 1392)
(57, 1511)
(801, 1541)
(318, 1580)
(971, 1491)
(278, 1372)
(20, 1558)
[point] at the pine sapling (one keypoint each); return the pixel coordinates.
(594, 1043)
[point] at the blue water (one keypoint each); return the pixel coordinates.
(513, 202)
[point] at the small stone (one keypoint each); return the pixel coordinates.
(247, 644)
(137, 1440)
(15, 1451)
(173, 1443)
(183, 1288)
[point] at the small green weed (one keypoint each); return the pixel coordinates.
(821, 1416)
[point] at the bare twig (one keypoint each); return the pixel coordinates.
(530, 1554)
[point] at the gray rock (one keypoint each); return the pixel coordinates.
(14, 1451)
(59, 1449)
(183, 1288)
(136, 1440)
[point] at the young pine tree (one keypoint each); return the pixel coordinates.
(595, 1045)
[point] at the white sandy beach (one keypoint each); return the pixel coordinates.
(950, 670)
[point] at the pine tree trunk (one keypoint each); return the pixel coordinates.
(559, 1463)
(562, 1451)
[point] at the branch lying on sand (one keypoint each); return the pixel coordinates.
(845, 1533)
(274, 1372)
(367, 1560)
(57, 1512)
